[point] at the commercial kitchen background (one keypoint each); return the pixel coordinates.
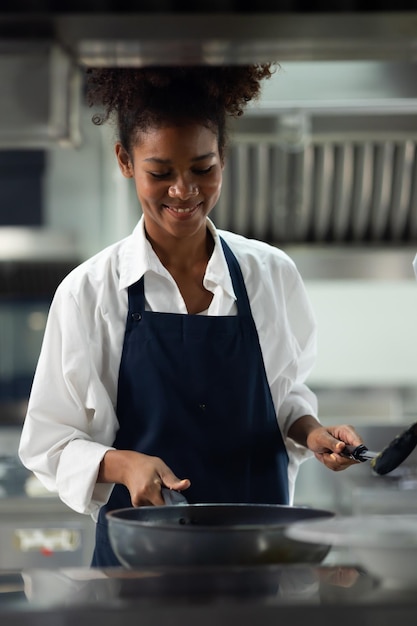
(323, 166)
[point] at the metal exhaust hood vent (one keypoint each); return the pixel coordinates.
(325, 193)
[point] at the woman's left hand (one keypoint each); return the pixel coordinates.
(327, 444)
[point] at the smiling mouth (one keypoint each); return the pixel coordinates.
(183, 209)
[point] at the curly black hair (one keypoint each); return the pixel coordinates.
(138, 98)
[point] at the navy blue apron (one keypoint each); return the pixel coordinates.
(193, 391)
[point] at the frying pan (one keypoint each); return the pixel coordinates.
(391, 456)
(211, 535)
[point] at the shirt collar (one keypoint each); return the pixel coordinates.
(137, 257)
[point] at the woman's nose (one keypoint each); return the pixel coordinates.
(183, 190)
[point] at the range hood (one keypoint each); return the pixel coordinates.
(327, 156)
(101, 37)
(43, 55)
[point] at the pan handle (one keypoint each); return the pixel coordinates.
(173, 497)
(359, 453)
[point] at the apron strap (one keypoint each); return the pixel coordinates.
(238, 282)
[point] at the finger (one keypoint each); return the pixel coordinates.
(172, 482)
(328, 443)
(329, 459)
(346, 433)
(148, 494)
(336, 445)
(335, 461)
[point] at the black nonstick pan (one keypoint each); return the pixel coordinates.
(391, 456)
(211, 534)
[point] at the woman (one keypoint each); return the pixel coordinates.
(176, 357)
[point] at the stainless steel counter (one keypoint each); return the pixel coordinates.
(263, 595)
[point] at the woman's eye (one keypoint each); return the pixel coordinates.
(164, 175)
(204, 171)
(159, 175)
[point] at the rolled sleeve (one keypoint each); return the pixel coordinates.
(80, 491)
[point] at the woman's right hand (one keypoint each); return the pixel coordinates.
(142, 474)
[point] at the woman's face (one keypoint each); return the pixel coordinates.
(178, 175)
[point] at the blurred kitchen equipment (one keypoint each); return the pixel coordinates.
(211, 534)
(44, 116)
(384, 499)
(43, 532)
(385, 545)
(13, 476)
(33, 261)
(391, 456)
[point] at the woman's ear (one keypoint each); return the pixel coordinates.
(123, 160)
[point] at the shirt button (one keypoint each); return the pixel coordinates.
(136, 317)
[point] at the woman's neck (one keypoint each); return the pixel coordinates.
(184, 254)
(186, 261)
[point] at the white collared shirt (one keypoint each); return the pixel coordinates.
(71, 420)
